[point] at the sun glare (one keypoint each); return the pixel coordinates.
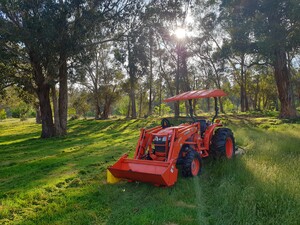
(180, 33)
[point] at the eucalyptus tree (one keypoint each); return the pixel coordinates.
(272, 29)
(236, 50)
(49, 34)
(103, 78)
(171, 54)
(5, 78)
(207, 42)
(156, 18)
(131, 53)
(150, 23)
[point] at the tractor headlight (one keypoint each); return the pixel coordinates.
(159, 139)
(164, 139)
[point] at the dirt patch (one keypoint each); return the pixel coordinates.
(239, 151)
(8, 163)
(185, 205)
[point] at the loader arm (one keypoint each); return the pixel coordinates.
(160, 148)
(157, 172)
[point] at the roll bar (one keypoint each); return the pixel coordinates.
(216, 110)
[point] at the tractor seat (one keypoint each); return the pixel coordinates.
(203, 126)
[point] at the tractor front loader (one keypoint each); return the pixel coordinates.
(162, 149)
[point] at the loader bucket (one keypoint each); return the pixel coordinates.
(155, 172)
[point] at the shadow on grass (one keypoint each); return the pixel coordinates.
(232, 192)
(259, 187)
(240, 195)
(28, 163)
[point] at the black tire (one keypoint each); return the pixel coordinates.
(189, 166)
(223, 144)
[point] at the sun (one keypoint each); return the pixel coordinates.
(180, 33)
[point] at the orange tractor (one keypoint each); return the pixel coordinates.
(161, 150)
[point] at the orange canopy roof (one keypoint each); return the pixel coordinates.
(196, 94)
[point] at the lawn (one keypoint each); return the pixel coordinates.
(63, 180)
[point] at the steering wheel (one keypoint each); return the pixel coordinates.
(165, 123)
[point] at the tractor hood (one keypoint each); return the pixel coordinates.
(166, 131)
(169, 130)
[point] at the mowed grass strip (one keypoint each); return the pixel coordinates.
(63, 180)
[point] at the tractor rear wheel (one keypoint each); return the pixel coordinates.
(192, 164)
(222, 143)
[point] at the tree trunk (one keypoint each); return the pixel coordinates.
(176, 104)
(105, 113)
(63, 95)
(256, 99)
(132, 71)
(208, 104)
(97, 106)
(151, 75)
(96, 89)
(187, 108)
(128, 108)
(58, 130)
(242, 98)
(242, 85)
(176, 109)
(132, 98)
(284, 86)
(194, 107)
(160, 96)
(221, 105)
(106, 108)
(43, 92)
(38, 118)
(246, 101)
(46, 112)
(140, 104)
(276, 105)
(184, 70)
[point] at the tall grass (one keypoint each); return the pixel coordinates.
(63, 180)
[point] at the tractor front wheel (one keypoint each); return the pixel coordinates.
(222, 143)
(192, 164)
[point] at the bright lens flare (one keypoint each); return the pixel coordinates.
(180, 33)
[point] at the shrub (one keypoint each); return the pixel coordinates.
(74, 117)
(165, 109)
(228, 106)
(15, 113)
(2, 114)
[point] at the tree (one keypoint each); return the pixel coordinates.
(79, 102)
(160, 20)
(6, 80)
(273, 30)
(131, 54)
(49, 34)
(103, 78)
(17, 102)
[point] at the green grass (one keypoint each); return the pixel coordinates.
(63, 180)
